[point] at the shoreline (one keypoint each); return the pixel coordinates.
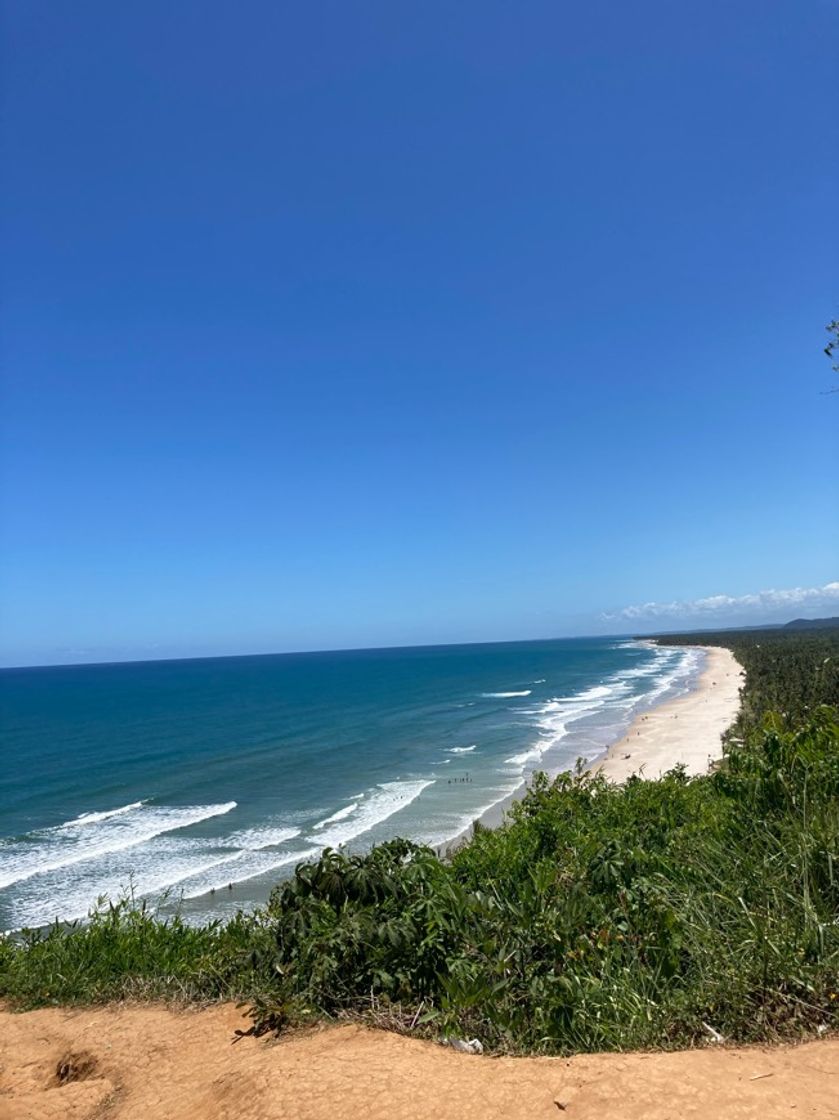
(655, 741)
(685, 728)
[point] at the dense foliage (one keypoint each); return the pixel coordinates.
(599, 917)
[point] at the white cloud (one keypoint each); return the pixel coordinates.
(772, 601)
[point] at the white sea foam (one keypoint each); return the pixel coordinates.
(188, 866)
(463, 750)
(532, 755)
(238, 869)
(63, 846)
(340, 815)
(254, 839)
(94, 818)
(505, 695)
(149, 869)
(385, 800)
(651, 668)
(687, 664)
(619, 693)
(596, 692)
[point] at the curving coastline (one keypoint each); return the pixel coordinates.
(686, 730)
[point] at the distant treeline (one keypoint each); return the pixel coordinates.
(790, 672)
(813, 624)
(598, 917)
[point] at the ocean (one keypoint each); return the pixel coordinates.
(202, 783)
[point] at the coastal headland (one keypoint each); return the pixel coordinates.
(686, 900)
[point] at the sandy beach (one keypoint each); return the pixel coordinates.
(686, 731)
(142, 1062)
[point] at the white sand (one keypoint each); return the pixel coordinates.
(684, 731)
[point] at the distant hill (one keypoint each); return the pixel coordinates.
(796, 624)
(812, 624)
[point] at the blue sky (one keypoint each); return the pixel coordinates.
(380, 323)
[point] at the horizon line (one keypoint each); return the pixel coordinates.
(631, 635)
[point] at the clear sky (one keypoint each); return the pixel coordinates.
(373, 323)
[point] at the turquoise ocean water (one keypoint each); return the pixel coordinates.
(211, 779)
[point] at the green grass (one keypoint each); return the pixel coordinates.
(127, 951)
(598, 917)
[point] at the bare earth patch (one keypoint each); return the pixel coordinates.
(153, 1063)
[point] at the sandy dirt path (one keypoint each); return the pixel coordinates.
(153, 1063)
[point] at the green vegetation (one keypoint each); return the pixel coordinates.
(598, 918)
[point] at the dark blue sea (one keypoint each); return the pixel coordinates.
(206, 781)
